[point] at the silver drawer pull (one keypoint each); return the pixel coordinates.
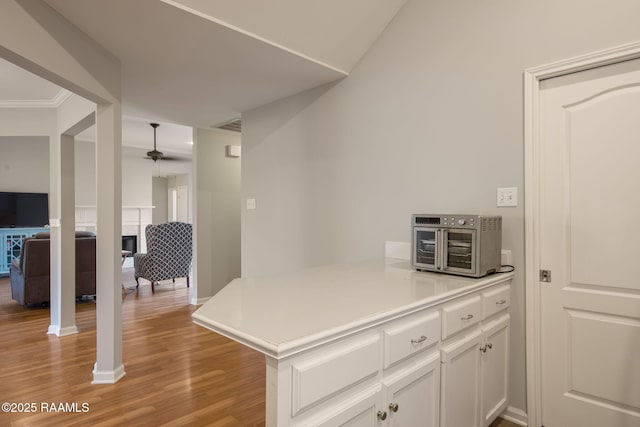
(467, 317)
(422, 339)
(502, 301)
(382, 415)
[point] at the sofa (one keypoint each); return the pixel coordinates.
(30, 274)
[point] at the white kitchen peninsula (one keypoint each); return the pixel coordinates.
(372, 343)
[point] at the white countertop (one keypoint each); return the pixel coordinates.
(283, 314)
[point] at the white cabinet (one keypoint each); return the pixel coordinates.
(411, 336)
(408, 398)
(475, 363)
(327, 372)
(460, 386)
(411, 397)
(442, 366)
(495, 366)
(361, 411)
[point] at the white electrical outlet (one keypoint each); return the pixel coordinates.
(507, 196)
(505, 257)
(251, 204)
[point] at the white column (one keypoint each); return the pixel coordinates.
(62, 242)
(108, 367)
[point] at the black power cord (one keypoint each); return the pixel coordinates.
(511, 267)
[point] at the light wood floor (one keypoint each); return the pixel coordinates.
(503, 423)
(177, 373)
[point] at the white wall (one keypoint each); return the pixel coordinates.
(216, 189)
(24, 164)
(24, 147)
(85, 164)
(178, 180)
(429, 121)
(28, 121)
(136, 176)
(159, 199)
(137, 173)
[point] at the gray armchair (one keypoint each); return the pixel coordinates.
(170, 250)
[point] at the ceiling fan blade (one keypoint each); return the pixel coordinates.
(176, 158)
(156, 155)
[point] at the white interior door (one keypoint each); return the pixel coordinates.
(172, 205)
(589, 239)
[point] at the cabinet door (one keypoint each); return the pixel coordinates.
(460, 382)
(360, 411)
(495, 368)
(412, 395)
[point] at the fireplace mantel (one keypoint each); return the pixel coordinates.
(134, 221)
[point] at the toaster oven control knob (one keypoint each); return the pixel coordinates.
(461, 221)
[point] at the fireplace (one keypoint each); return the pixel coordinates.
(130, 243)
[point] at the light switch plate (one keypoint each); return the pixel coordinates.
(251, 204)
(233, 150)
(507, 196)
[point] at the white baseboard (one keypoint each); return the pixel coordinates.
(516, 416)
(199, 301)
(61, 332)
(107, 377)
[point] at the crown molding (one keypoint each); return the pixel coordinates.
(54, 102)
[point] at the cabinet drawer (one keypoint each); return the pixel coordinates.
(460, 315)
(325, 374)
(406, 338)
(496, 300)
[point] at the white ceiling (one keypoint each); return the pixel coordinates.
(203, 62)
(171, 138)
(19, 88)
(182, 64)
(332, 32)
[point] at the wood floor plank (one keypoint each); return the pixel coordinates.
(177, 373)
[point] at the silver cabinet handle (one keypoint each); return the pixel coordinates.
(502, 301)
(382, 415)
(422, 339)
(488, 346)
(393, 407)
(467, 317)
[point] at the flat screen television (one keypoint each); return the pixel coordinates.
(24, 209)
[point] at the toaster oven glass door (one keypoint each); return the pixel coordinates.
(459, 250)
(426, 247)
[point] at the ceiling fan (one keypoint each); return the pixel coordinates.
(156, 155)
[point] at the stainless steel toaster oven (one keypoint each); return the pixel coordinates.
(467, 245)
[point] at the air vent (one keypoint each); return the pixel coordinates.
(234, 125)
(491, 224)
(427, 220)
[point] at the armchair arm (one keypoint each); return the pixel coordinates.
(141, 265)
